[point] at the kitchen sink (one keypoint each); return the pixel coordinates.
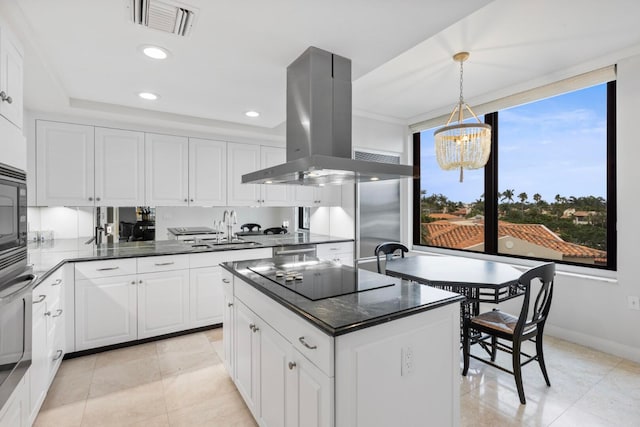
(212, 243)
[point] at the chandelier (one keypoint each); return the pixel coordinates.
(462, 145)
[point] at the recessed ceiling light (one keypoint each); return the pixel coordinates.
(155, 52)
(268, 182)
(252, 114)
(148, 96)
(374, 178)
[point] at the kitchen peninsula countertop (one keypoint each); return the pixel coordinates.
(347, 313)
(47, 256)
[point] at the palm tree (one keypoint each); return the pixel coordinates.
(523, 198)
(508, 195)
(537, 198)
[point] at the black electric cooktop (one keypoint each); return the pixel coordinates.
(318, 280)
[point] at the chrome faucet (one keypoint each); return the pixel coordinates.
(230, 218)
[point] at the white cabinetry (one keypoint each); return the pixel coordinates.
(207, 172)
(341, 252)
(206, 296)
(163, 303)
(11, 78)
(228, 320)
(167, 170)
(247, 354)
(273, 195)
(242, 159)
(65, 164)
(328, 195)
(15, 412)
(119, 167)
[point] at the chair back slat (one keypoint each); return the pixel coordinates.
(545, 273)
(388, 249)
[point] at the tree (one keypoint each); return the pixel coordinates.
(508, 195)
(523, 198)
(537, 198)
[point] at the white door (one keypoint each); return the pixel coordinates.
(163, 302)
(228, 334)
(310, 403)
(207, 172)
(247, 351)
(242, 159)
(274, 195)
(11, 80)
(105, 311)
(119, 160)
(39, 363)
(206, 296)
(166, 170)
(274, 360)
(65, 166)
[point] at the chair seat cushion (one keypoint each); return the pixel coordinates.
(496, 320)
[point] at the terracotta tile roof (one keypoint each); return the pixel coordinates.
(443, 216)
(460, 236)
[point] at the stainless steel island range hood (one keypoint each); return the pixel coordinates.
(319, 128)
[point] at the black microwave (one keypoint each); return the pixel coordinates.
(13, 220)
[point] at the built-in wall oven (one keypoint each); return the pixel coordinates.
(16, 281)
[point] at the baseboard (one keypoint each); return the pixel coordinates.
(611, 347)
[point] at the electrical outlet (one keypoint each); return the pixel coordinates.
(408, 362)
(633, 302)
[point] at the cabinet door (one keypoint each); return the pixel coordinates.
(119, 174)
(304, 195)
(206, 296)
(105, 311)
(242, 159)
(11, 79)
(39, 357)
(329, 195)
(163, 302)
(65, 167)
(246, 356)
(207, 172)
(14, 412)
(309, 395)
(166, 170)
(274, 195)
(228, 334)
(274, 359)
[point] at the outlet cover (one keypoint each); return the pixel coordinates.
(633, 302)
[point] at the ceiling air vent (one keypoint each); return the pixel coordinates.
(163, 15)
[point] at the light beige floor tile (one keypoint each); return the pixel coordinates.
(616, 398)
(577, 418)
(125, 407)
(77, 365)
(68, 389)
(226, 410)
(127, 354)
(66, 415)
(218, 349)
(175, 363)
(158, 421)
(213, 334)
(187, 389)
(192, 343)
(473, 413)
(116, 376)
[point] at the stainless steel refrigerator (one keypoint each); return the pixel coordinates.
(378, 213)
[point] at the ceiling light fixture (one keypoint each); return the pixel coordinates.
(462, 145)
(148, 96)
(252, 114)
(155, 52)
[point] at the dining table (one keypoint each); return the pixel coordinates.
(480, 281)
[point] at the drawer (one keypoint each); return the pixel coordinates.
(314, 344)
(50, 288)
(152, 264)
(246, 254)
(206, 259)
(107, 268)
(334, 248)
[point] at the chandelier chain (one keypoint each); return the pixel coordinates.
(461, 98)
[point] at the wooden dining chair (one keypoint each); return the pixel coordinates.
(529, 325)
(388, 249)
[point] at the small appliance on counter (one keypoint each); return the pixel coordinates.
(191, 233)
(249, 229)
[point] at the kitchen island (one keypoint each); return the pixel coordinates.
(310, 342)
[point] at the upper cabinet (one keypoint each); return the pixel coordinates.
(11, 78)
(167, 170)
(65, 164)
(329, 195)
(242, 159)
(119, 167)
(207, 172)
(271, 194)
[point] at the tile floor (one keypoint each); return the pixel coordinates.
(182, 382)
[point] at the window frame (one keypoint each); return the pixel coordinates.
(491, 193)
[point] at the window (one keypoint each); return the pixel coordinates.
(547, 192)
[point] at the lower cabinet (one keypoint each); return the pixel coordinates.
(228, 320)
(15, 412)
(341, 252)
(163, 303)
(206, 296)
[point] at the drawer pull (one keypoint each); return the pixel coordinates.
(40, 299)
(226, 280)
(304, 343)
(255, 329)
(57, 282)
(292, 365)
(58, 313)
(160, 264)
(252, 326)
(229, 304)
(59, 354)
(107, 268)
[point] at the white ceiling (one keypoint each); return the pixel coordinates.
(236, 57)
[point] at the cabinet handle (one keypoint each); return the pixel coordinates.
(191, 200)
(133, 282)
(57, 282)
(107, 268)
(160, 264)
(5, 97)
(58, 355)
(186, 200)
(229, 304)
(140, 282)
(304, 343)
(226, 280)
(58, 313)
(97, 199)
(91, 199)
(252, 327)
(255, 329)
(292, 365)
(41, 298)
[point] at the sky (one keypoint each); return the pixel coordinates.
(553, 146)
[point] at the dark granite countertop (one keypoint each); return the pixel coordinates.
(347, 313)
(47, 256)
